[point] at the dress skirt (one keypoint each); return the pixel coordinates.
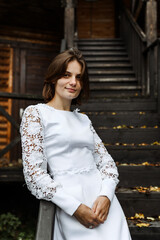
(86, 187)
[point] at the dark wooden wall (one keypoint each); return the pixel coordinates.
(96, 19)
(32, 31)
(36, 16)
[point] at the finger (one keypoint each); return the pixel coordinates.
(94, 206)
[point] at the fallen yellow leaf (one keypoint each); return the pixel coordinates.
(151, 218)
(142, 224)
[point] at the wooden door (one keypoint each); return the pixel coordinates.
(6, 62)
(96, 19)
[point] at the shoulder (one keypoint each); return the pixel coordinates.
(83, 115)
(32, 111)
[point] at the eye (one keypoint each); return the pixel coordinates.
(78, 77)
(66, 75)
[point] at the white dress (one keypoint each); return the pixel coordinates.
(65, 161)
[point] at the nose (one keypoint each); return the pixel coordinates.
(73, 81)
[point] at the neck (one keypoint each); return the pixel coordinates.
(59, 104)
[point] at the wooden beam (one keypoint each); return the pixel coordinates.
(138, 10)
(69, 20)
(151, 21)
(133, 6)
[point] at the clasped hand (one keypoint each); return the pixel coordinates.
(95, 215)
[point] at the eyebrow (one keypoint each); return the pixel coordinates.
(71, 73)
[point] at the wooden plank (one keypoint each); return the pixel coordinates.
(45, 221)
(23, 71)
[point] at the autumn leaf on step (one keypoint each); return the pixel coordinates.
(154, 189)
(142, 224)
(114, 113)
(155, 143)
(137, 216)
(155, 126)
(142, 113)
(151, 219)
(144, 126)
(145, 164)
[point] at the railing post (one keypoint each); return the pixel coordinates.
(151, 21)
(158, 75)
(69, 22)
(151, 36)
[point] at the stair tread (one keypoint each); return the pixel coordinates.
(102, 53)
(115, 88)
(90, 71)
(100, 48)
(99, 39)
(115, 79)
(101, 58)
(132, 193)
(99, 65)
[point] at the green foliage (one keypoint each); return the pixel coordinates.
(9, 224)
(11, 228)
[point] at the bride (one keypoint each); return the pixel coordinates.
(65, 161)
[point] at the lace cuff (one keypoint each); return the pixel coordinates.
(106, 166)
(38, 181)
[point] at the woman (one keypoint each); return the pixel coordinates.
(66, 162)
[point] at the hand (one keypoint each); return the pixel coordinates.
(87, 217)
(101, 207)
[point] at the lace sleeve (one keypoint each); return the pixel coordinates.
(105, 165)
(34, 161)
(38, 181)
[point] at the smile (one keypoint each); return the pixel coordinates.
(71, 90)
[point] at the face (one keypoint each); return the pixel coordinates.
(69, 86)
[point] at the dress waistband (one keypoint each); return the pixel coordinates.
(73, 170)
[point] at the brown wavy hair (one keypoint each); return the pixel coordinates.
(57, 69)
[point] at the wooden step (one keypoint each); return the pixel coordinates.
(110, 104)
(102, 47)
(134, 154)
(110, 72)
(135, 119)
(115, 88)
(134, 202)
(112, 79)
(137, 135)
(145, 233)
(108, 65)
(98, 59)
(96, 43)
(106, 59)
(99, 40)
(133, 176)
(104, 53)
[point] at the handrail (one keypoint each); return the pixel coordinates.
(152, 45)
(141, 34)
(15, 95)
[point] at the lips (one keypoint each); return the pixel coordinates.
(71, 89)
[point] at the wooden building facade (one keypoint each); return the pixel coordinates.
(30, 36)
(120, 39)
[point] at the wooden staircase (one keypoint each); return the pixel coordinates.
(128, 124)
(109, 67)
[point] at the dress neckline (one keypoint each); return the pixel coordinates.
(59, 110)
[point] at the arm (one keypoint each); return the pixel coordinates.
(106, 166)
(38, 181)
